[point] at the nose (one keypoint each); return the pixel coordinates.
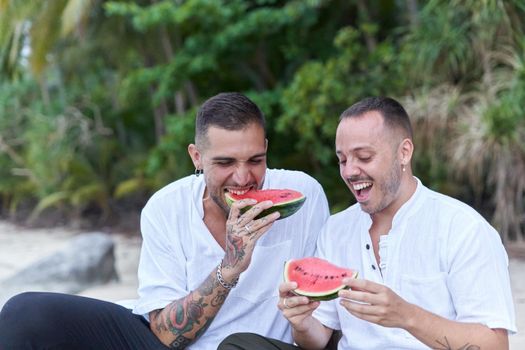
(242, 175)
(349, 170)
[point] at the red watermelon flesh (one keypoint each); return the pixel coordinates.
(316, 278)
(285, 201)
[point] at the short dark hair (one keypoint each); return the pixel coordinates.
(227, 110)
(394, 115)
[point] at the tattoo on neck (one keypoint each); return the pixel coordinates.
(445, 345)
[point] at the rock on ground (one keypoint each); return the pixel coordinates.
(88, 260)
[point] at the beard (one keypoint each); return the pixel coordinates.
(388, 189)
(219, 200)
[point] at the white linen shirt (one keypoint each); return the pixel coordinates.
(440, 255)
(179, 252)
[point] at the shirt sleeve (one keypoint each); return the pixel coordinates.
(478, 278)
(161, 270)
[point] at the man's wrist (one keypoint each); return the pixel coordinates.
(412, 320)
(225, 281)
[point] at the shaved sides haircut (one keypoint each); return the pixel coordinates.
(227, 110)
(393, 113)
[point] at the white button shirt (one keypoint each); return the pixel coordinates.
(179, 252)
(440, 255)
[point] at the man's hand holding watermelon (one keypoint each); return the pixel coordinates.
(242, 232)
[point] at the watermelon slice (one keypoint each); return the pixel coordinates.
(285, 201)
(316, 278)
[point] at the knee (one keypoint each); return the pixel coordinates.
(17, 305)
(25, 311)
(237, 341)
(231, 342)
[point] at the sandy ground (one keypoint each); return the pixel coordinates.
(19, 247)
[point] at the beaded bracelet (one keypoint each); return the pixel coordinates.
(221, 280)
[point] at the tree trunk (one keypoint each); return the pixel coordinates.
(413, 18)
(370, 40)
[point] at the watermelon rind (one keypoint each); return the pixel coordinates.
(317, 296)
(322, 297)
(285, 209)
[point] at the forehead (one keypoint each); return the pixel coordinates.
(239, 144)
(360, 132)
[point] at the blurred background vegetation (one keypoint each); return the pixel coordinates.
(98, 98)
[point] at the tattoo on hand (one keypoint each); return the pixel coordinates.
(445, 345)
(236, 246)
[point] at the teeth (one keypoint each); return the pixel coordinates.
(238, 192)
(362, 185)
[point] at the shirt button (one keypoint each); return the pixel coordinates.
(373, 267)
(367, 246)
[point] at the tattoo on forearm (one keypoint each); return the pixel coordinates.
(180, 342)
(188, 318)
(209, 286)
(159, 321)
(445, 345)
(219, 299)
(183, 317)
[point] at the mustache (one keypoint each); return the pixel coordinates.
(357, 178)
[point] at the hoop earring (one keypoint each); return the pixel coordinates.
(198, 172)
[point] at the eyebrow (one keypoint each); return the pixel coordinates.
(219, 158)
(358, 149)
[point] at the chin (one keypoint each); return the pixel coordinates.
(367, 208)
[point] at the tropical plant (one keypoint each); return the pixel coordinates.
(468, 78)
(97, 98)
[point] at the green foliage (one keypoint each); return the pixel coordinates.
(98, 98)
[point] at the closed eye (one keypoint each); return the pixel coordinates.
(224, 163)
(256, 161)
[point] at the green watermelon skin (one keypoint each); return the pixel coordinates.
(321, 298)
(316, 278)
(286, 207)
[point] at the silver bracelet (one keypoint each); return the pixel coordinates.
(221, 280)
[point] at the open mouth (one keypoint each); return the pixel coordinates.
(362, 190)
(238, 191)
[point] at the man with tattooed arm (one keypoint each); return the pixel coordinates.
(432, 272)
(205, 270)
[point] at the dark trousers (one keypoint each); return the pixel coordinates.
(250, 341)
(53, 321)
